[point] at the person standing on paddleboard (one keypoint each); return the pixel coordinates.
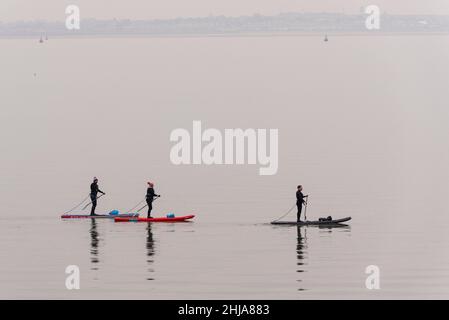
(300, 201)
(93, 195)
(150, 197)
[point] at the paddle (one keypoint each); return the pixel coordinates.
(147, 204)
(135, 206)
(91, 201)
(285, 213)
(305, 209)
(79, 204)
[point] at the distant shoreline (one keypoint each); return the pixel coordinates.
(284, 24)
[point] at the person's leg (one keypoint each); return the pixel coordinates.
(94, 205)
(299, 205)
(150, 207)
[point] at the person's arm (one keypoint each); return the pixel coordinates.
(98, 189)
(150, 193)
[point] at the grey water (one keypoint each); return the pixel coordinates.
(363, 126)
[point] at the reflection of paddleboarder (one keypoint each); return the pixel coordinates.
(93, 195)
(94, 240)
(300, 253)
(300, 201)
(150, 249)
(300, 244)
(150, 197)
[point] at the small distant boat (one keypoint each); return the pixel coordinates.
(325, 38)
(41, 40)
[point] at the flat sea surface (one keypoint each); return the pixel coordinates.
(363, 125)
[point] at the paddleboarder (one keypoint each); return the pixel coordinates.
(93, 195)
(300, 201)
(150, 197)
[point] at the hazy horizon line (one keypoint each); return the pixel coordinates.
(238, 16)
(323, 22)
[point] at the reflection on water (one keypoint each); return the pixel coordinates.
(301, 246)
(339, 228)
(150, 251)
(94, 241)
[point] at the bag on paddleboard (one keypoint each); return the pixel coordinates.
(329, 218)
(170, 215)
(114, 213)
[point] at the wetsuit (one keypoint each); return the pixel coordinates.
(93, 196)
(299, 202)
(150, 197)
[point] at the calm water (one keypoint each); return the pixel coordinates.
(363, 125)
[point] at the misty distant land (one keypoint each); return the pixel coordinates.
(305, 23)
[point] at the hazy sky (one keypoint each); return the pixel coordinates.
(11, 10)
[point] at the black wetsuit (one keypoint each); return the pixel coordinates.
(150, 197)
(93, 196)
(299, 202)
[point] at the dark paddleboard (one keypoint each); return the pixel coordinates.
(337, 222)
(99, 216)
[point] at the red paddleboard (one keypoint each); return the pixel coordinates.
(160, 219)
